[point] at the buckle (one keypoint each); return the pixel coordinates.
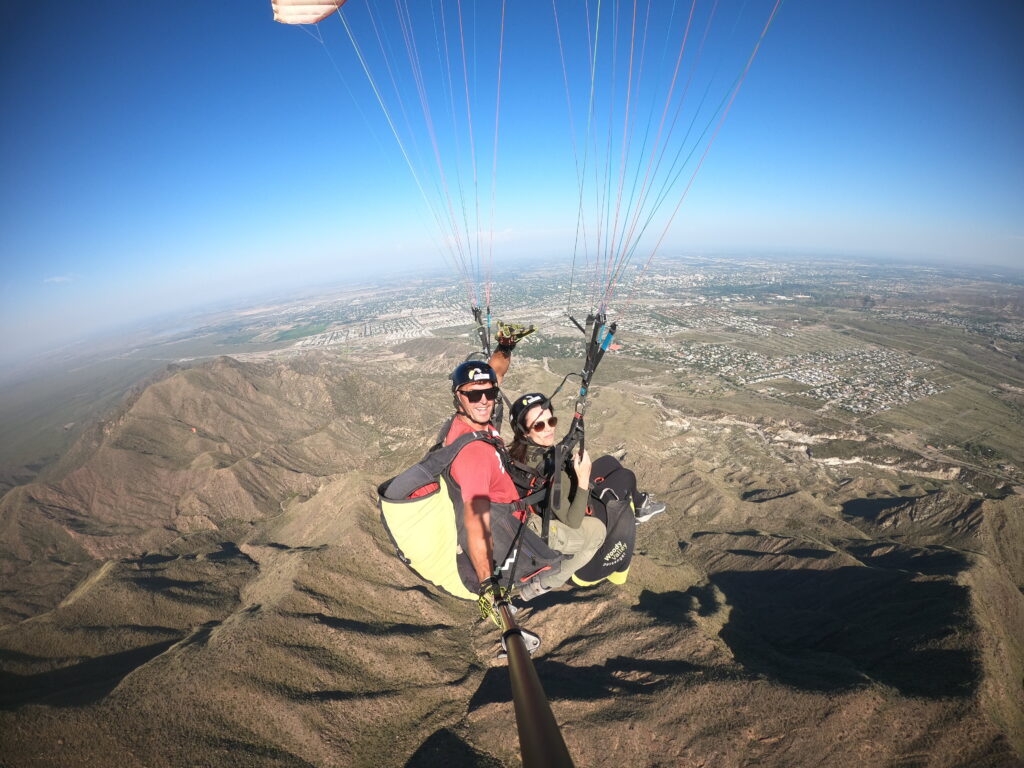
(531, 641)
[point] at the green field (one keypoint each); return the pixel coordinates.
(818, 338)
(301, 332)
(612, 368)
(870, 450)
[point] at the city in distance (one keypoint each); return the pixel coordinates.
(920, 358)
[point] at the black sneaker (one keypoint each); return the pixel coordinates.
(648, 508)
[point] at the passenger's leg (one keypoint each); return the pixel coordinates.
(608, 472)
(578, 544)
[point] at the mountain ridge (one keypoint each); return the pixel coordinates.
(227, 596)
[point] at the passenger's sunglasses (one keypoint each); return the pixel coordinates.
(474, 395)
(538, 426)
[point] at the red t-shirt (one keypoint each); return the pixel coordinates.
(478, 469)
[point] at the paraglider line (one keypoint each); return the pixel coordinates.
(725, 114)
(608, 286)
(494, 162)
(455, 252)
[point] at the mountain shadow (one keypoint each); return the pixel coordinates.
(760, 495)
(78, 684)
(445, 748)
(843, 628)
(619, 676)
(673, 607)
(870, 509)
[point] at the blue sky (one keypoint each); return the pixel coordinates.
(159, 156)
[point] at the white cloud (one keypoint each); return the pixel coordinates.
(59, 279)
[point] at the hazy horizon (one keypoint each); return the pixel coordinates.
(151, 168)
(113, 330)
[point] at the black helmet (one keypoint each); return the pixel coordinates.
(473, 371)
(522, 406)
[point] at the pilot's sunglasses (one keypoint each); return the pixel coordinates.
(538, 426)
(474, 395)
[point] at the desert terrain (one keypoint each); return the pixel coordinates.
(203, 580)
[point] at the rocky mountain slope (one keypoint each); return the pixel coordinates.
(204, 581)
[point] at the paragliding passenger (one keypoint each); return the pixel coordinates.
(577, 529)
(572, 531)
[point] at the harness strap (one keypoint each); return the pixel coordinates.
(522, 504)
(528, 469)
(452, 450)
(554, 499)
(443, 432)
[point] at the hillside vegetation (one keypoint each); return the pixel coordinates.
(203, 580)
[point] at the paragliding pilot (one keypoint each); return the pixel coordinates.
(479, 468)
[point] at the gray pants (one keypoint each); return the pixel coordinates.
(577, 544)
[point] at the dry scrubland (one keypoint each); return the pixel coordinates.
(203, 581)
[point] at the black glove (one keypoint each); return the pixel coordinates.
(510, 334)
(491, 593)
